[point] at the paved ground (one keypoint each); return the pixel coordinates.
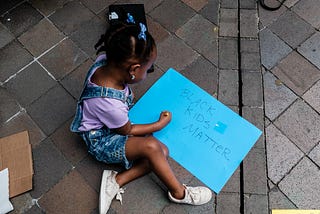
(46, 48)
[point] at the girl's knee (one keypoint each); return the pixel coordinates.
(165, 150)
(153, 145)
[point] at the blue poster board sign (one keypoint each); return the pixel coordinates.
(204, 136)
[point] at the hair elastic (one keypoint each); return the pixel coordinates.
(142, 34)
(130, 19)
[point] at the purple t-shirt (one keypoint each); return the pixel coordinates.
(99, 112)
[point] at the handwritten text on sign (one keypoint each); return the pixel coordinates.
(199, 123)
(204, 136)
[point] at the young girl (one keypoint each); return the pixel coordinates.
(102, 117)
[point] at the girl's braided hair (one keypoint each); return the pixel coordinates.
(121, 42)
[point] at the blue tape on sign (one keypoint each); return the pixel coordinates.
(220, 127)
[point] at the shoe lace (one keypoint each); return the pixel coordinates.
(119, 196)
(193, 194)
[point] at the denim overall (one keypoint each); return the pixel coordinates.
(104, 144)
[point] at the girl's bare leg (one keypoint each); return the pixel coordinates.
(153, 156)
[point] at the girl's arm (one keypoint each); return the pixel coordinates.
(144, 129)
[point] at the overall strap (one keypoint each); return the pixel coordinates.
(99, 91)
(93, 68)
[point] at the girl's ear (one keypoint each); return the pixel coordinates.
(134, 67)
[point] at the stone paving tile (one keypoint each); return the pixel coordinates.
(71, 195)
(6, 36)
(21, 203)
(228, 87)
(30, 84)
(172, 52)
(208, 208)
(290, 3)
(300, 124)
(97, 5)
(302, 189)
(12, 58)
(49, 6)
(202, 36)
(135, 195)
(8, 5)
(309, 10)
(91, 170)
(310, 49)
(73, 82)
(21, 18)
(277, 97)
(249, 45)
(250, 61)
(172, 14)
(272, 48)
(40, 37)
(233, 184)
(49, 167)
(292, 29)
(248, 4)
(183, 175)
(248, 23)
(67, 18)
(35, 210)
(228, 203)
(148, 5)
(255, 116)
(21, 123)
(267, 17)
(297, 73)
(8, 108)
(250, 57)
(211, 11)
(203, 73)
(312, 96)
(315, 154)
(228, 53)
(63, 58)
(282, 154)
(196, 5)
(278, 200)
(89, 34)
(256, 204)
(158, 32)
(70, 144)
(254, 172)
(252, 89)
(52, 109)
(228, 22)
(229, 4)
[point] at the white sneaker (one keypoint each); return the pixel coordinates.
(194, 196)
(108, 190)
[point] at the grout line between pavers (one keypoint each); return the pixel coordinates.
(22, 110)
(240, 103)
(35, 59)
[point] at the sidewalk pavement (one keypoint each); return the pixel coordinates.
(46, 47)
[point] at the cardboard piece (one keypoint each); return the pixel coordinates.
(293, 211)
(204, 136)
(16, 155)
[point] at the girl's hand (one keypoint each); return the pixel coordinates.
(145, 129)
(165, 118)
